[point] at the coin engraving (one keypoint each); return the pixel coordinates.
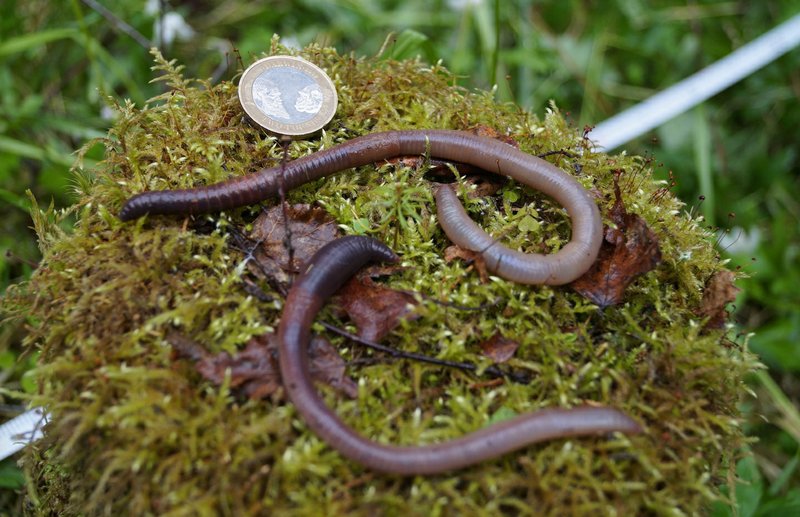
(287, 95)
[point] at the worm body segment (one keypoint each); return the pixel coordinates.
(491, 155)
(558, 268)
(327, 271)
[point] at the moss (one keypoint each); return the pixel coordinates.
(135, 430)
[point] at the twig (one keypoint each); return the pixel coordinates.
(10, 255)
(494, 371)
(559, 151)
(287, 236)
(119, 23)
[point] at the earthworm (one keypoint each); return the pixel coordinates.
(488, 154)
(334, 264)
(562, 267)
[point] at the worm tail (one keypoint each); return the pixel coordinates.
(330, 268)
(258, 186)
(241, 191)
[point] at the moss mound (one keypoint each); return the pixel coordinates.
(136, 430)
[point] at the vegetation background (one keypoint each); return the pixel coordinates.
(61, 59)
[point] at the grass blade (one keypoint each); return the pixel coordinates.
(34, 40)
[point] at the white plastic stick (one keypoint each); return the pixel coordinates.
(693, 90)
(20, 431)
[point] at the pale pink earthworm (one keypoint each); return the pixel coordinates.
(489, 154)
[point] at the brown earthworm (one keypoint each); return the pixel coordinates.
(459, 146)
(334, 264)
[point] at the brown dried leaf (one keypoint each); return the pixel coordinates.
(380, 270)
(719, 292)
(255, 372)
(490, 132)
(311, 228)
(375, 309)
(412, 162)
(485, 184)
(498, 348)
(327, 366)
(470, 257)
(629, 250)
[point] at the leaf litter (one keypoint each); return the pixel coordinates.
(374, 309)
(719, 292)
(629, 249)
(254, 371)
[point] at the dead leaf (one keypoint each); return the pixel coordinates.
(483, 385)
(485, 184)
(412, 161)
(377, 270)
(469, 257)
(719, 291)
(490, 132)
(328, 367)
(498, 348)
(629, 250)
(311, 228)
(254, 371)
(375, 309)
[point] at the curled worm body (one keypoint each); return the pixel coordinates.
(488, 154)
(558, 268)
(328, 270)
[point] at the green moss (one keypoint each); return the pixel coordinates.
(135, 430)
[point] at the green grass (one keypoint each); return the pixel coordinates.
(59, 61)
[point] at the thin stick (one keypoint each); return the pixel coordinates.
(494, 371)
(287, 237)
(119, 23)
(559, 151)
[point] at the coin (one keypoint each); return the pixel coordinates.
(287, 95)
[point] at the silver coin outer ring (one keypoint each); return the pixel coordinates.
(330, 99)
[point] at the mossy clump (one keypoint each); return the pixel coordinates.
(137, 430)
